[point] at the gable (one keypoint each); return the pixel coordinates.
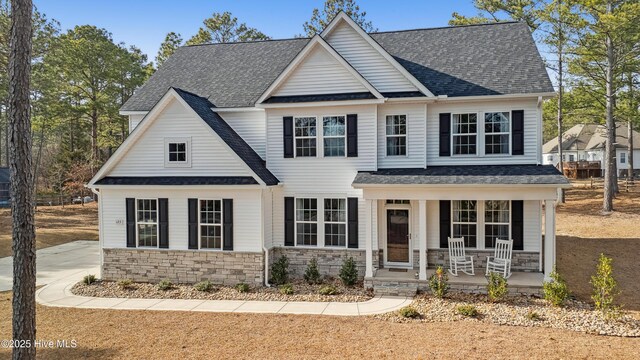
(319, 73)
(367, 60)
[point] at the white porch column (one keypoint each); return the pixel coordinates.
(422, 238)
(549, 237)
(369, 239)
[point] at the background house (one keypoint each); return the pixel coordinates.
(4, 186)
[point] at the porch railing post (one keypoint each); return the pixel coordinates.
(368, 239)
(422, 238)
(549, 237)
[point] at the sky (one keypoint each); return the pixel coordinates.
(145, 23)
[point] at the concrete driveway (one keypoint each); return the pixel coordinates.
(57, 262)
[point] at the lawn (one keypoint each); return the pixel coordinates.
(55, 225)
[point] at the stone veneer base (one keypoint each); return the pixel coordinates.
(329, 260)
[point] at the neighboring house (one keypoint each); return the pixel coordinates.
(586, 142)
(376, 146)
(4, 187)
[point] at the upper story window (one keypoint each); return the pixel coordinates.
(306, 221)
(496, 130)
(305, 136)
(335, 222)
(333, 134)
(177, 152)
(396, 130)
(623, 158)
(210, 223)
(465, 131)
(147, 222)
(464, 221)
(572, 157)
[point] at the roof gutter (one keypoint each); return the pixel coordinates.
(321, 103)
(364, 186)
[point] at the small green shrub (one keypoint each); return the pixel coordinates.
(286, 289)
(439, 283)
(533, 316)
(604, 287)
(312, 274)
(556, 291)
(89, 279)
(409, 312)
(349, 272)
(497, 287)
(165, 285)
(328, 290)
(204, 286)
(125, 284)
(467, 310)
(280, 271)
(242, 287)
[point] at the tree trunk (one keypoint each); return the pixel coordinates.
(94, 138)
(633, 109)
(561, 198)
(609, 153)
(24, 249)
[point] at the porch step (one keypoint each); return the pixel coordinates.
(383, 287)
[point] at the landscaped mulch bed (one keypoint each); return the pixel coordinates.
(302, 292)
(516, 311)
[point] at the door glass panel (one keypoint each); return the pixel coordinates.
(398, 236)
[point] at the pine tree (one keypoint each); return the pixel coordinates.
(320, 19)
(170, 44)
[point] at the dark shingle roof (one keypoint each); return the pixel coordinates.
(202, 107)
(470, 174)
(4, 175)
(485, 59)
(177, 180)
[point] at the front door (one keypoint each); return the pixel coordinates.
(398, 236)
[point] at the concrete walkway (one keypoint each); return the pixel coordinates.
(60, 267)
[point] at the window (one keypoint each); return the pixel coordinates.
(211, 224)
(305, 135)
(464, 221)
(496, 130)
(549, 158)
(465, 127)
(399, 202)
(177, 152)
(496, 221)
(147, 222)
(335, 222)
(333, 134)
(396, 135)
(306, 221)
(572, 157)
(623, 158)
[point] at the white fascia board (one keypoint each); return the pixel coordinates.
(132, 112)
(174, 187)
(321, 103)
(497, 97)
(486, 186)
(238, 109)
(315, 41)
(344, 17)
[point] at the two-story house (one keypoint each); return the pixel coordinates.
(378, 146)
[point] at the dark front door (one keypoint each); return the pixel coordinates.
(398, 236)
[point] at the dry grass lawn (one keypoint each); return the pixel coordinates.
(55, 225)
(111, 334)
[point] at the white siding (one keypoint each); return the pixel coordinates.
(319, 73)
(246, 213)
(416, 128)
(531, 147)
(250, 125)
(625, 165)
(367, 60)
(134, 120)
(209, 156)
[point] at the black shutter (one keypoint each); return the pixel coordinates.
(352, 218)
(289, 221)
(445, 223)
(227, 224)
(131, 222)
(445, 134)
(193, 223)
(287, 130)
(517, 132)
(352, 135)
(517, 224)
(163, 222)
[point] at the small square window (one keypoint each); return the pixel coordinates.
(177, 152)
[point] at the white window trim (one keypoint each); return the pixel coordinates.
(478, 134)
(319, 227)
(480, 223)
(322, 137)
(156, 223)
(345, 222)
(484, 134)
(477, 223)
(200, 224)
(406, 136)
(295, 138)
(177, 164)
(484, 235)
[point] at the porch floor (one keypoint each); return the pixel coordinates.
(517, 279)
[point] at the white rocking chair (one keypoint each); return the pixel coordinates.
(458, 259)
(500, 262)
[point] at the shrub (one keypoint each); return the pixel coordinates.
(497, 287)
(242, 287)
(604, 286)
(280, 271)
(205, 286)
(165, 285)
(556, 291)
(409, 312)
(439, 283)
(312, 274)
(533, 316)
(286, 289)
(349, 272)
(467, 310)
(125, 284)
(89, 279)
(328, 290)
